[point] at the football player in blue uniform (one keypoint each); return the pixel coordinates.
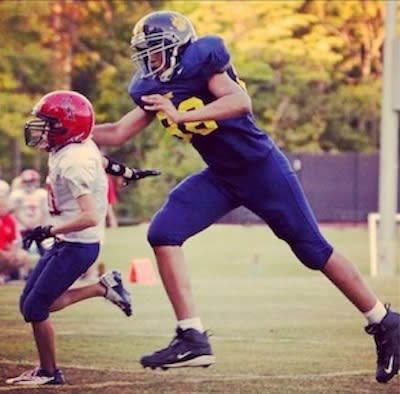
(190, 85)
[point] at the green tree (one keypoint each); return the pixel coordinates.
(22, 62)
(312, 67)
(296, 57)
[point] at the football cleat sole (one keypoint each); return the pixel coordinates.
(198, 362)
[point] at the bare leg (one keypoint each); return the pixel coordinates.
(72, 296)
(175, 277)
(45, 342)
(43, 331)
(346, 277)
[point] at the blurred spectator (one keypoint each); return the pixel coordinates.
(16, 183)
(4, 186)
(15, 262)
(111, 219)
(4, 189)
(28, 203)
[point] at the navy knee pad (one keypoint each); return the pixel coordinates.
(312, 256)
(161, 235)
(153, 237)
(34, 309)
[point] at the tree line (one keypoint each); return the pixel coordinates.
(312, 67)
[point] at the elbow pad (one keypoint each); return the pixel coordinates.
(114, 167)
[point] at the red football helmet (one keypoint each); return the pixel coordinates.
(63, 117)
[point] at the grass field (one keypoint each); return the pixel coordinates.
(277, 328)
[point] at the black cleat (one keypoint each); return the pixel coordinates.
(189, 348)
(387, 340)
(116, 292)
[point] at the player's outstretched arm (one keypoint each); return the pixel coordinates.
(117, 133)
(115, 168)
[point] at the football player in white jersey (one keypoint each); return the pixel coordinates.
(77, 205)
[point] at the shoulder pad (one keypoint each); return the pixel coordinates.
(139, 87)
(207, 54)
(135, 89)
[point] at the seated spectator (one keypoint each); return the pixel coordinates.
(28, 204)
(4, 189)
(15, 262)
(16, 183)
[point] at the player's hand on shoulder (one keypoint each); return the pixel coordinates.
(157, 102)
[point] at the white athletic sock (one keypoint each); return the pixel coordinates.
(376, 314)
(193, 322)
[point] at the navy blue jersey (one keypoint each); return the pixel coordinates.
(224, 144)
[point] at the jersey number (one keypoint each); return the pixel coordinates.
(51, 199)
(186, 130)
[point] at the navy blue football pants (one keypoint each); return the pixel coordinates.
(53, 274)
(269, 188)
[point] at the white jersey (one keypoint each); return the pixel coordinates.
(29, 208)
(75, 170)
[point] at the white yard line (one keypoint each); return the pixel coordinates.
(174, 378)
(67, 386)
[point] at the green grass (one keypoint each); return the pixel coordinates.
(277, 327)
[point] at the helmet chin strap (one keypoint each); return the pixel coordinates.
(166, 75)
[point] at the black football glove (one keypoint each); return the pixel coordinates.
(139, 174)
(38, 234)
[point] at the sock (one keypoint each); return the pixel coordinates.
(376, 314)
(193, 322)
